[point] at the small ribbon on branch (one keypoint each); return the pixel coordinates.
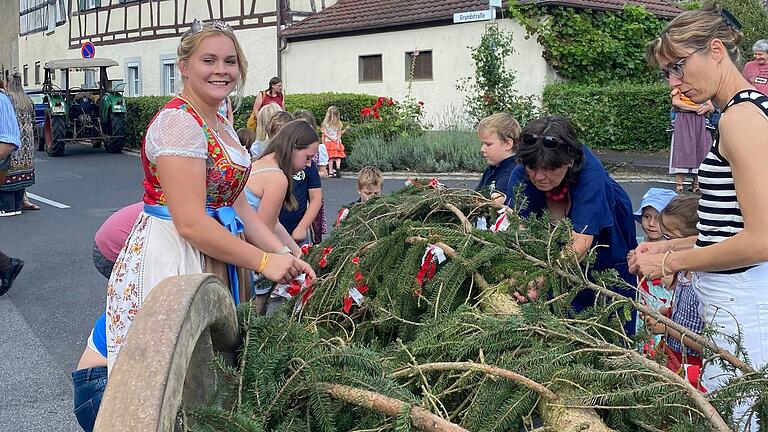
(433, 256)
(434, 183)
(341, 216)
(502, 222)
(324, 258)
(356, 293)
(305, 248)
(294, 287)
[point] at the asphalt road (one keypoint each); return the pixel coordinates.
(47, 315)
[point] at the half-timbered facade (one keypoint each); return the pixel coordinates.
(142, 35)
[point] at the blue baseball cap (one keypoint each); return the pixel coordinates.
(655, 197)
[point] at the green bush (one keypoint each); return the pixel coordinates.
(621, 116)
(349, 105)
(445, 151)
(142, 109)
(139, 112)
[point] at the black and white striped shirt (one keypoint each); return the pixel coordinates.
(719, 213)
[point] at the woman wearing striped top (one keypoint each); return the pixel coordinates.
(698, 54)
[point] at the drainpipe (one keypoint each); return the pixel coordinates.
(281, 42)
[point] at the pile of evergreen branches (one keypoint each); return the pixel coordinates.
(383, 342)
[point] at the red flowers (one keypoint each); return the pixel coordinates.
(373, 110)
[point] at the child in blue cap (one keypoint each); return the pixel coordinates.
(647, 215)
(652, 292)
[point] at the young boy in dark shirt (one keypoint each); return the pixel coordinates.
(370, 181)
(498, 134)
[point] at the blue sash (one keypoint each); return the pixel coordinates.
(228, 218)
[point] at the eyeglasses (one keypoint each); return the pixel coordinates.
(676, 70)
(198, 26)
(547, 140)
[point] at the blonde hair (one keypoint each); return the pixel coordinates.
(332, 118)
(681, 213)
(15, 91)
(262, 119)
(502, 124)
(369, 176)
(280, 119)
(693, 30)
(191, 40)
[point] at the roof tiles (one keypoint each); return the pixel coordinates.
(366, 15)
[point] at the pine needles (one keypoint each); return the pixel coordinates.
(452, 349)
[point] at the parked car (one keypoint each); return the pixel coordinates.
(41, 104)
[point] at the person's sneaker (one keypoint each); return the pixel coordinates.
(7, 277)
(9, 213)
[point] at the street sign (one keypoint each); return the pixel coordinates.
(87, 50)
(483, 15)
(495, 3)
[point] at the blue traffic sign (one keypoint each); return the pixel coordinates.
(87, 50)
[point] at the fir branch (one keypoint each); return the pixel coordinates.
(421, 418)
(470, 366)
(722, 353)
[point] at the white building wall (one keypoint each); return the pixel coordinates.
(331, 64)
(259, 45)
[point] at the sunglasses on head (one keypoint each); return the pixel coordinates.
(547, 140)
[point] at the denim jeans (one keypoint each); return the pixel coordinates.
(89, 385)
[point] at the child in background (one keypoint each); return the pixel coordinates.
(263, 117)
(370, 182)
(247, 137)
(270, 187)
(653, 202)
(498, 134)
(332, 131)
(653, 292)
(320, 224)
(321, 158)
(678, 220)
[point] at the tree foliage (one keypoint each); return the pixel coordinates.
(453, 346)
(592, 46)
(491, 88)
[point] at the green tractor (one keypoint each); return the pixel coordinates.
(93, 113)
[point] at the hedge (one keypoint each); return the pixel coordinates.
(623, 116)
(141, 110)
(436, 151)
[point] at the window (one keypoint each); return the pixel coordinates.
(90, 79)
(37, 72)
(89, 4)
(133, 80)
(422, 65)
(40, 15)
(369, 68)
(169, 75)
(26, 75)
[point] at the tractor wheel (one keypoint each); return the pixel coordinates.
(117, 127)
(55, 131)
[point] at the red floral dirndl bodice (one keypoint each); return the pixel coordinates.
(225, 179)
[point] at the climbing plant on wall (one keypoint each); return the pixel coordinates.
(590, 46)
